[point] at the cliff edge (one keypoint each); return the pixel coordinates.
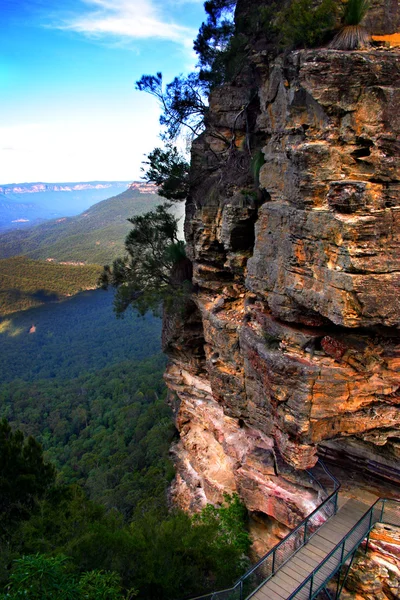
(289, 347)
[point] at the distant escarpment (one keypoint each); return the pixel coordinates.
(34, 188)
(290, 346)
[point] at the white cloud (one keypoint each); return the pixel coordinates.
(134, 19)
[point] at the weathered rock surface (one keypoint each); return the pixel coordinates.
(376, 574)
(383, 16)
(293, 229)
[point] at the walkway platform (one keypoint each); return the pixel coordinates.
(285, 581)
(321, 547)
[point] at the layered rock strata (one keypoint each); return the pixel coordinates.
(375, 574)
(290, 344)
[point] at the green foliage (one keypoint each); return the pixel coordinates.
(214, 41)
(229, 521)
(24, 477)
(355, 11)
(144, 277)
(170, 171)
(302, 24)
(109, 431)
(162, 556)
(182, 102)
(257, 162)
(40, 577)
(182, 555)
(272, 341)
(101, 585)
(352, 35)
(25, 283)
(222, 45)
(64, 516)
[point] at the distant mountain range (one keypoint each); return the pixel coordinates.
(25, 204)
(68, 252)
(34, 188)
(95, 236)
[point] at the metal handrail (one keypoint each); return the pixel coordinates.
(319, 483)
(299, 536)
(341, 550)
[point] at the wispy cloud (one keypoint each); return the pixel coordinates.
(132, 19)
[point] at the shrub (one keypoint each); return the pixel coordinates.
(168, 169)
(38, 577)
(257, 162)
(352, 35)
(302, 24)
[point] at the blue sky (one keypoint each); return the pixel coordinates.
(68, 107)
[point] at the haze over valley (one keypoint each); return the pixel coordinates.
(26, 204)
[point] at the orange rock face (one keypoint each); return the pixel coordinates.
(293, 229)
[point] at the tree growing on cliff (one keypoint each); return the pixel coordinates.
(230, 521)
(183, 105)
(213, 41)
(154, 270)
(352, 35)
(169, 170)
(182, 101)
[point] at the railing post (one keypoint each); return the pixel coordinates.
(335, 505)
(241, 589)
(311, 585)
(340, 570)
(273, 562)
(305, 532)
(369, 529)
(383, 510)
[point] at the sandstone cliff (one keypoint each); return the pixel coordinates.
(290, 344)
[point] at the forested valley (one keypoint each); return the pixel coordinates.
(85, 452)
(84, 505)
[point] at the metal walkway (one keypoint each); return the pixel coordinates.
(306, 560)
(344, 533)
(299, 568)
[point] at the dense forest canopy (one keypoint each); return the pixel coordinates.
(71, 337)
(150, 553)
(102, 420)
(26, 283)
